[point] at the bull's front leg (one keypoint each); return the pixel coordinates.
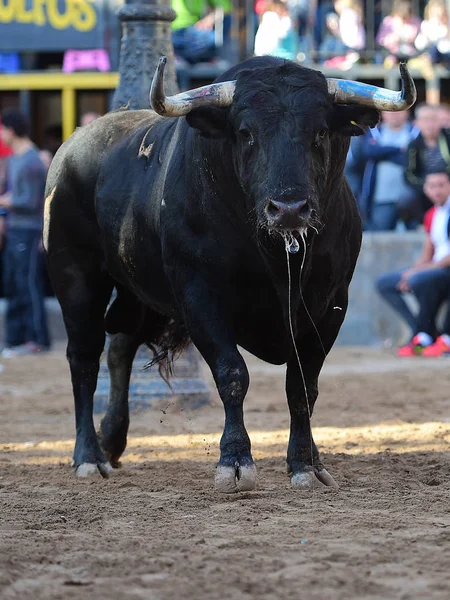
(211, 330)
(303, 459)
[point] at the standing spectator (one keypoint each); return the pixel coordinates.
(386, 196)
(429, 278)
(26, 322)
(348, 34)
(434, 36)
(398, 32)
(430, 151)
(5, 151)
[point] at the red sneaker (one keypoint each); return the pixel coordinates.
(414, 348)
(439, 348)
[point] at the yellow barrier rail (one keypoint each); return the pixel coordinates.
(67, 83)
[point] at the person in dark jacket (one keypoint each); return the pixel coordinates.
(429, 152)
(385, 194)
(26, 322)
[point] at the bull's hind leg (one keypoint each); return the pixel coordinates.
(114, 426)
(83, 289)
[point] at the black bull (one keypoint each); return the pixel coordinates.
(186, 218)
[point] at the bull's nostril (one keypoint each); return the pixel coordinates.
(304, 209)
(273, 209)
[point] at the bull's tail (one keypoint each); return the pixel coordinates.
(168, 348)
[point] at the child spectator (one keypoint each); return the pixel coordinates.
(430, 151)
(26, 322)
(386, 196)
(275, 33)
(348, 34)
(429, 278)
(398, 32)
(434, 36)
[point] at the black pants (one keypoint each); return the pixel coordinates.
(23, 287)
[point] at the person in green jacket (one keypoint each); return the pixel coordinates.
(193, 32)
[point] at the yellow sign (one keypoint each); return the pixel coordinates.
(79, 14)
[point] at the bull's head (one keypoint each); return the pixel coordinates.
(287, 124)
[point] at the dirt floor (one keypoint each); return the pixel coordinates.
(157, 529)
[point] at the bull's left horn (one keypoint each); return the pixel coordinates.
(216, 94)
(354, 92)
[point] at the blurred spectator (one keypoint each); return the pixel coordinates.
(275, 33)
(429, 278)
(444, 115)
(89, 117)
(193, 32)
(5, 151)
(355, 166)
(386, 196)
(434, 36)
(398, 32)
(26, 322)
(303, 13)
(348, 35)
(430, 151)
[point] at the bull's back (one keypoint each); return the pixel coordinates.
(73, 175)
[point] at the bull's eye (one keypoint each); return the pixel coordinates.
(246, 135)
(320, 136)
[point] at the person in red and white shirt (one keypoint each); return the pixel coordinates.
(428, 279)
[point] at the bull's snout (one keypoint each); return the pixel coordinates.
(287, 215)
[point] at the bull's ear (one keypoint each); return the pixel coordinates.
(211, 122)
(353, 120)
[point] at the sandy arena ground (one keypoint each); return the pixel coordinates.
(158, 530)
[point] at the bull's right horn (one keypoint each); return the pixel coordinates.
(215, 94)
(344, 91)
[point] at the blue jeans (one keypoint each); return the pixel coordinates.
(385, 216)
(431, 288)
(194, 45)
(23, 287)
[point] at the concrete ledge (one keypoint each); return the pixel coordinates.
(369, 321)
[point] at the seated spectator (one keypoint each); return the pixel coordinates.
(444, 115)
(193, 35)
(430, 151)
(386, 196)
(348, 34)
(398, 32)
(303, 13)
(275, 33)
(434, 36)
(429, 278)
(355, 165)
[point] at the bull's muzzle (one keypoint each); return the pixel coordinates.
(288, 216)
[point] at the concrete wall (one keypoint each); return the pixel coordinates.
(369, 321)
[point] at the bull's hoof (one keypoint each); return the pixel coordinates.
(112, 442)
(230, 480)
(93, 469)
(307, 480)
